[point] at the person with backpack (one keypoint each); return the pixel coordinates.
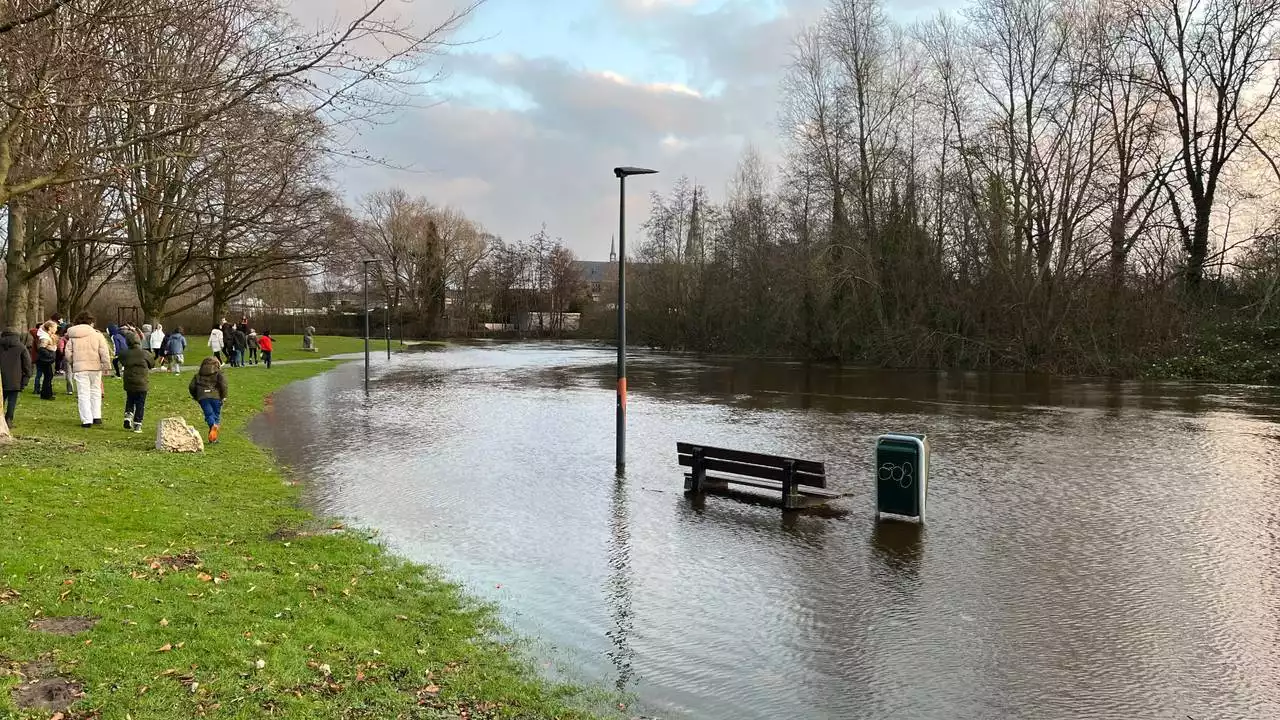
(174, 348)
(209, 388)
(137, 381)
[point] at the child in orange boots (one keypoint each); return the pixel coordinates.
(209, 388)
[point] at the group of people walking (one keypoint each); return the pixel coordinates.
(240, 344)
(84, 355)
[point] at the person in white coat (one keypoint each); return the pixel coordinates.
(87, 358)
(156, 343)
(216, 343)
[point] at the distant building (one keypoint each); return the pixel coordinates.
(600, 278)
(548, 322)
(334, 300)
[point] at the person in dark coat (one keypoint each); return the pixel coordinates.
(228, 346)
(15, 371)
(46, 358)
(137, 381)
(240, 341)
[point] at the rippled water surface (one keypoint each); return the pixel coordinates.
(1094, 549)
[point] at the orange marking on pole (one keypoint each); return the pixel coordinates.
(622, 392)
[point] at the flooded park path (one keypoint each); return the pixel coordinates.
(1095, 549)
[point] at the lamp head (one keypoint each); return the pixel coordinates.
(621, 172)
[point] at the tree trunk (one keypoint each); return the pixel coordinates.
(221, 305)
(1198, 246)
(151, 302)
(17, 260)
(1119, 252)
(35, 299)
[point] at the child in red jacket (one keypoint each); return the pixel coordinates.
(265, 345)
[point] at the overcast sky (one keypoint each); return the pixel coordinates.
(552, 94)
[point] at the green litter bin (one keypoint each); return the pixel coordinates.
(902, 475)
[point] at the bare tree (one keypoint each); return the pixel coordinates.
(1214, 64)
(25, 13)
(100, 90)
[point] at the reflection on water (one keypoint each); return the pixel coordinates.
(618, 590)
(1095, 549)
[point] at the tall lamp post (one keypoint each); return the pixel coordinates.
(366, 325)
(622, 173)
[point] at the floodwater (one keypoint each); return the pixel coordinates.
(1095, 549)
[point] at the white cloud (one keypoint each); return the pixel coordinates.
(654, 87)
(549, 158)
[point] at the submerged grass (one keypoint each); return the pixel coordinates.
(214, 595)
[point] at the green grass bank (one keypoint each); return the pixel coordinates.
(211, 594)
(289, 347)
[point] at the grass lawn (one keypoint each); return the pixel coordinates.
(213, 595)
(289, 347)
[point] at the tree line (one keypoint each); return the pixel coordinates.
(1069, 185)
(185, 145)
(443, 273)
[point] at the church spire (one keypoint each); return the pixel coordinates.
(613, 256)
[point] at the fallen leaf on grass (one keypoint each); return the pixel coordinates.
(69, 581)
(402, 617)
(431, 689)
(143, 690)
(165, 647)
(164, 622)
(57, 716)
(204, 577)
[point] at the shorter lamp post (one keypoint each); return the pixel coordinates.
(366, 325)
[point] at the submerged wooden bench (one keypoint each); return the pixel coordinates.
(801, 482)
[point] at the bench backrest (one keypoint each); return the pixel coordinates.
(758, 465)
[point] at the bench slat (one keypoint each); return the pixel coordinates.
(756, 471)
(772, 485)
(810, 467)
